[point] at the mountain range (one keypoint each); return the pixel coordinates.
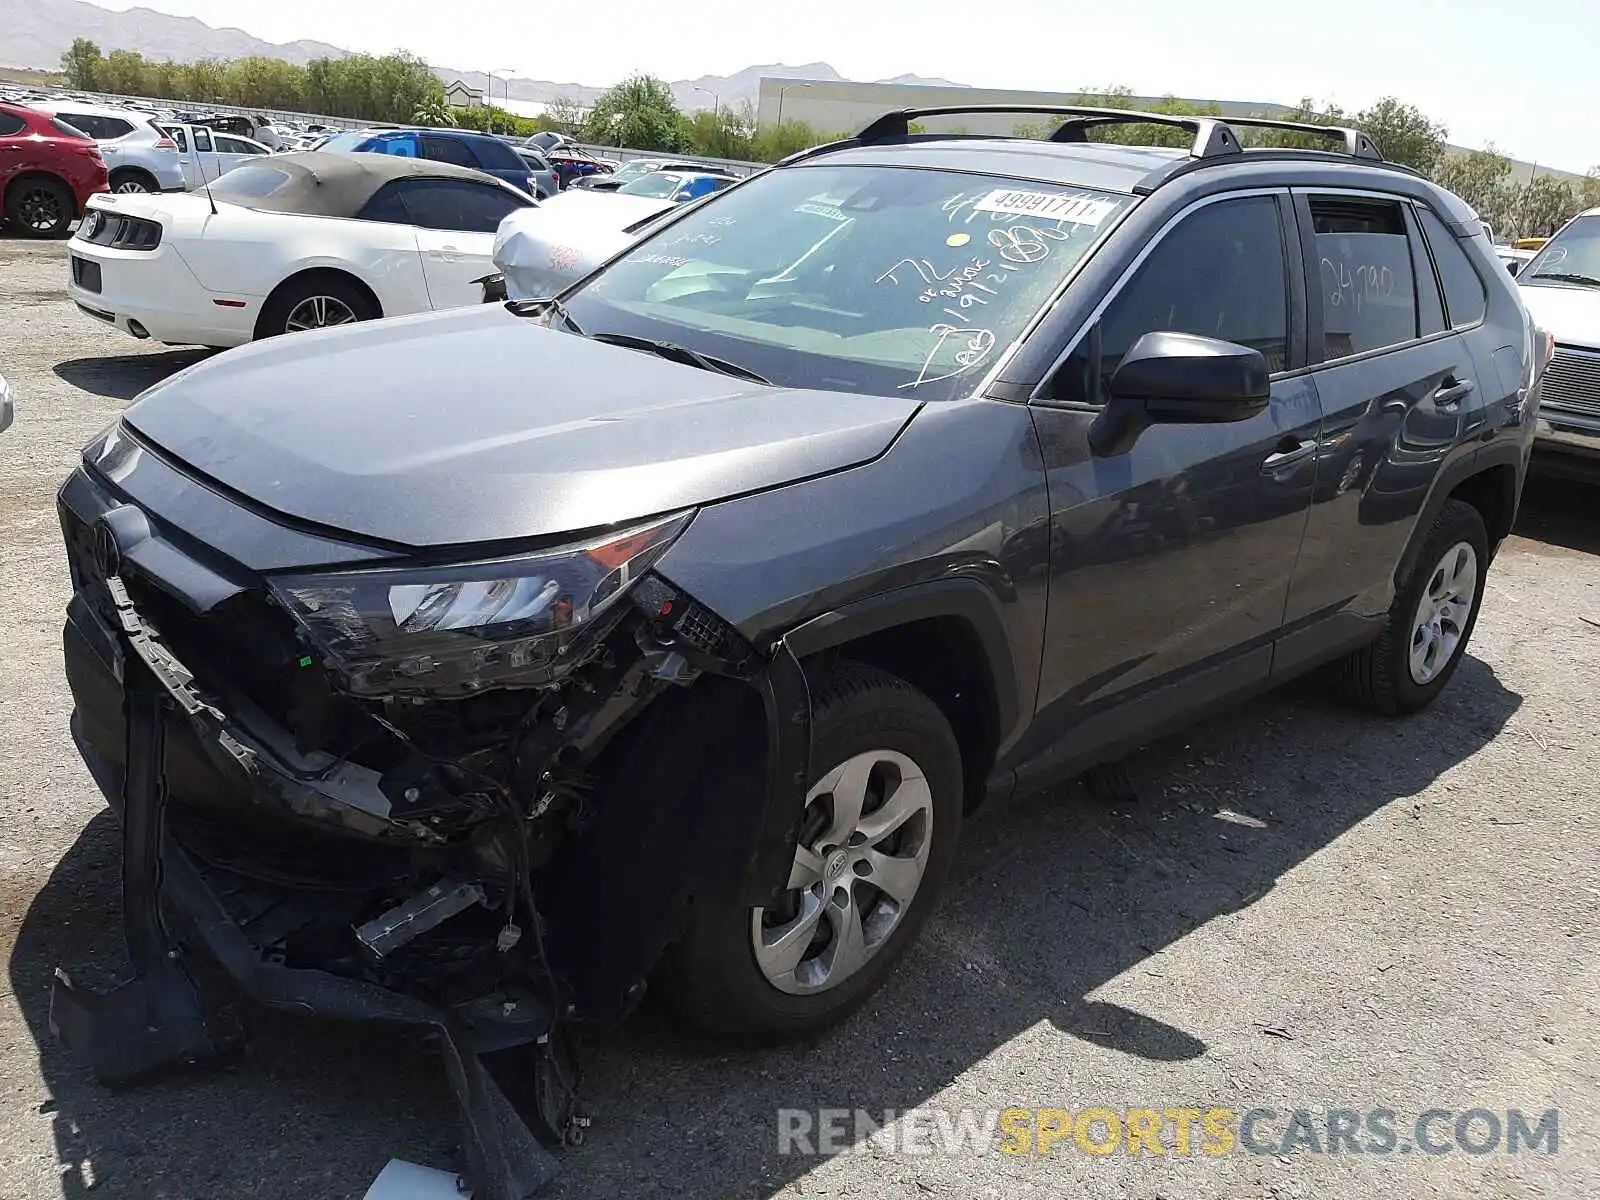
(38, 32)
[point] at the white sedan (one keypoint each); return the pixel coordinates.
(289, 242)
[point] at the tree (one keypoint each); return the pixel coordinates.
(638, 112)
(433, 111)
(774, 142)
(565, 115)
(1541, 206)
(721, 134)
(1589, 189)
(123, 72)
(82, 64)
(1404, 133)
(1483, 179)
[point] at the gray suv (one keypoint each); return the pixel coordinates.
(470, 671)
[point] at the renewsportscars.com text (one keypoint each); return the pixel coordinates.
(1180, 1131)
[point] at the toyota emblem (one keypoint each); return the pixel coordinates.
(107, 554)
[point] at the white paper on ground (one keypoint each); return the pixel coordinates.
(402, 1180)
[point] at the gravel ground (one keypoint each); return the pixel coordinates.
(1308, 909)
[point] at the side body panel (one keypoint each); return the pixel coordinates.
(248, 253)
(959, 496)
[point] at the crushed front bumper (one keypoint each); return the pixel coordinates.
(157, 1019)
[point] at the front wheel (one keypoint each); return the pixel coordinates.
(881, 823)
(1434, 612)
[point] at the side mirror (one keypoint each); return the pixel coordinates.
(1170, 378)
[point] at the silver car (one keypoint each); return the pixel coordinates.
(541, 250)
(139, 155)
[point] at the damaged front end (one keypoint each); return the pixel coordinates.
(416, 793)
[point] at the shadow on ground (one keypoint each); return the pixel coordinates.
(124, 376)
(1560, 512)
(1054, 896)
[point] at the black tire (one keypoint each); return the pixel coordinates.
(291, 295)
(131, 179)
(40, 206)
(711, 979)
(1379, 674)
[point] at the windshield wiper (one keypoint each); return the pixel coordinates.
(683, 354)
(1567, 277)
(539, 305)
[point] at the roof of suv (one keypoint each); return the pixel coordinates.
(1068, 157)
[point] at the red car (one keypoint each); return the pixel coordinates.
(48, 170)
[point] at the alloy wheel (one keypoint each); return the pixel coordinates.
(859, 860)
(40, 209)
(130, 186)
(318, 312)
(1441, 617)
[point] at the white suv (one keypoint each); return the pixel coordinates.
(139, 156)
(1561, 288)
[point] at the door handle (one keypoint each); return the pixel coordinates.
(1452, 391)
(1290, 451)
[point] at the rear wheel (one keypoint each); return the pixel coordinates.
(881, 823)
(133, 182)
(1431, 620)
(315, 302)
(40, 206)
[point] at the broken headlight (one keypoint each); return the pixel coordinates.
(467, 626)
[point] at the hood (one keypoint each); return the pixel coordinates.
(476, 425)
(542, 250)
(1569, 312)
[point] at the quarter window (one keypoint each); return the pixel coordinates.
(1221, 273)
(1369, 294)
(1464, 296)
(457, 204)
(11, 124)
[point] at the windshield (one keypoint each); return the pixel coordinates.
(659, 184)
(631, 171)
(886, 280)
(1572, 256)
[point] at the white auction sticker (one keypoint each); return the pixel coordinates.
(1047, 206)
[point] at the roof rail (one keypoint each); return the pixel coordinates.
(1356, 143)
(1212, 136)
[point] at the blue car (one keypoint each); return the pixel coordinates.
(461, 147)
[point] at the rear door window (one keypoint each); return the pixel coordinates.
(448, 150)
(1368, 289)
(495, 155)
(1221, 273)
(1464, 296)
(102, 129)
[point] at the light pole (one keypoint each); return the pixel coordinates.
(716, 101)
(506, 88)
(781, 91)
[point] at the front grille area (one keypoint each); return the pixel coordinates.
(243, 646)
(1572, 381)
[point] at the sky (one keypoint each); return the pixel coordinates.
(1524, 75)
